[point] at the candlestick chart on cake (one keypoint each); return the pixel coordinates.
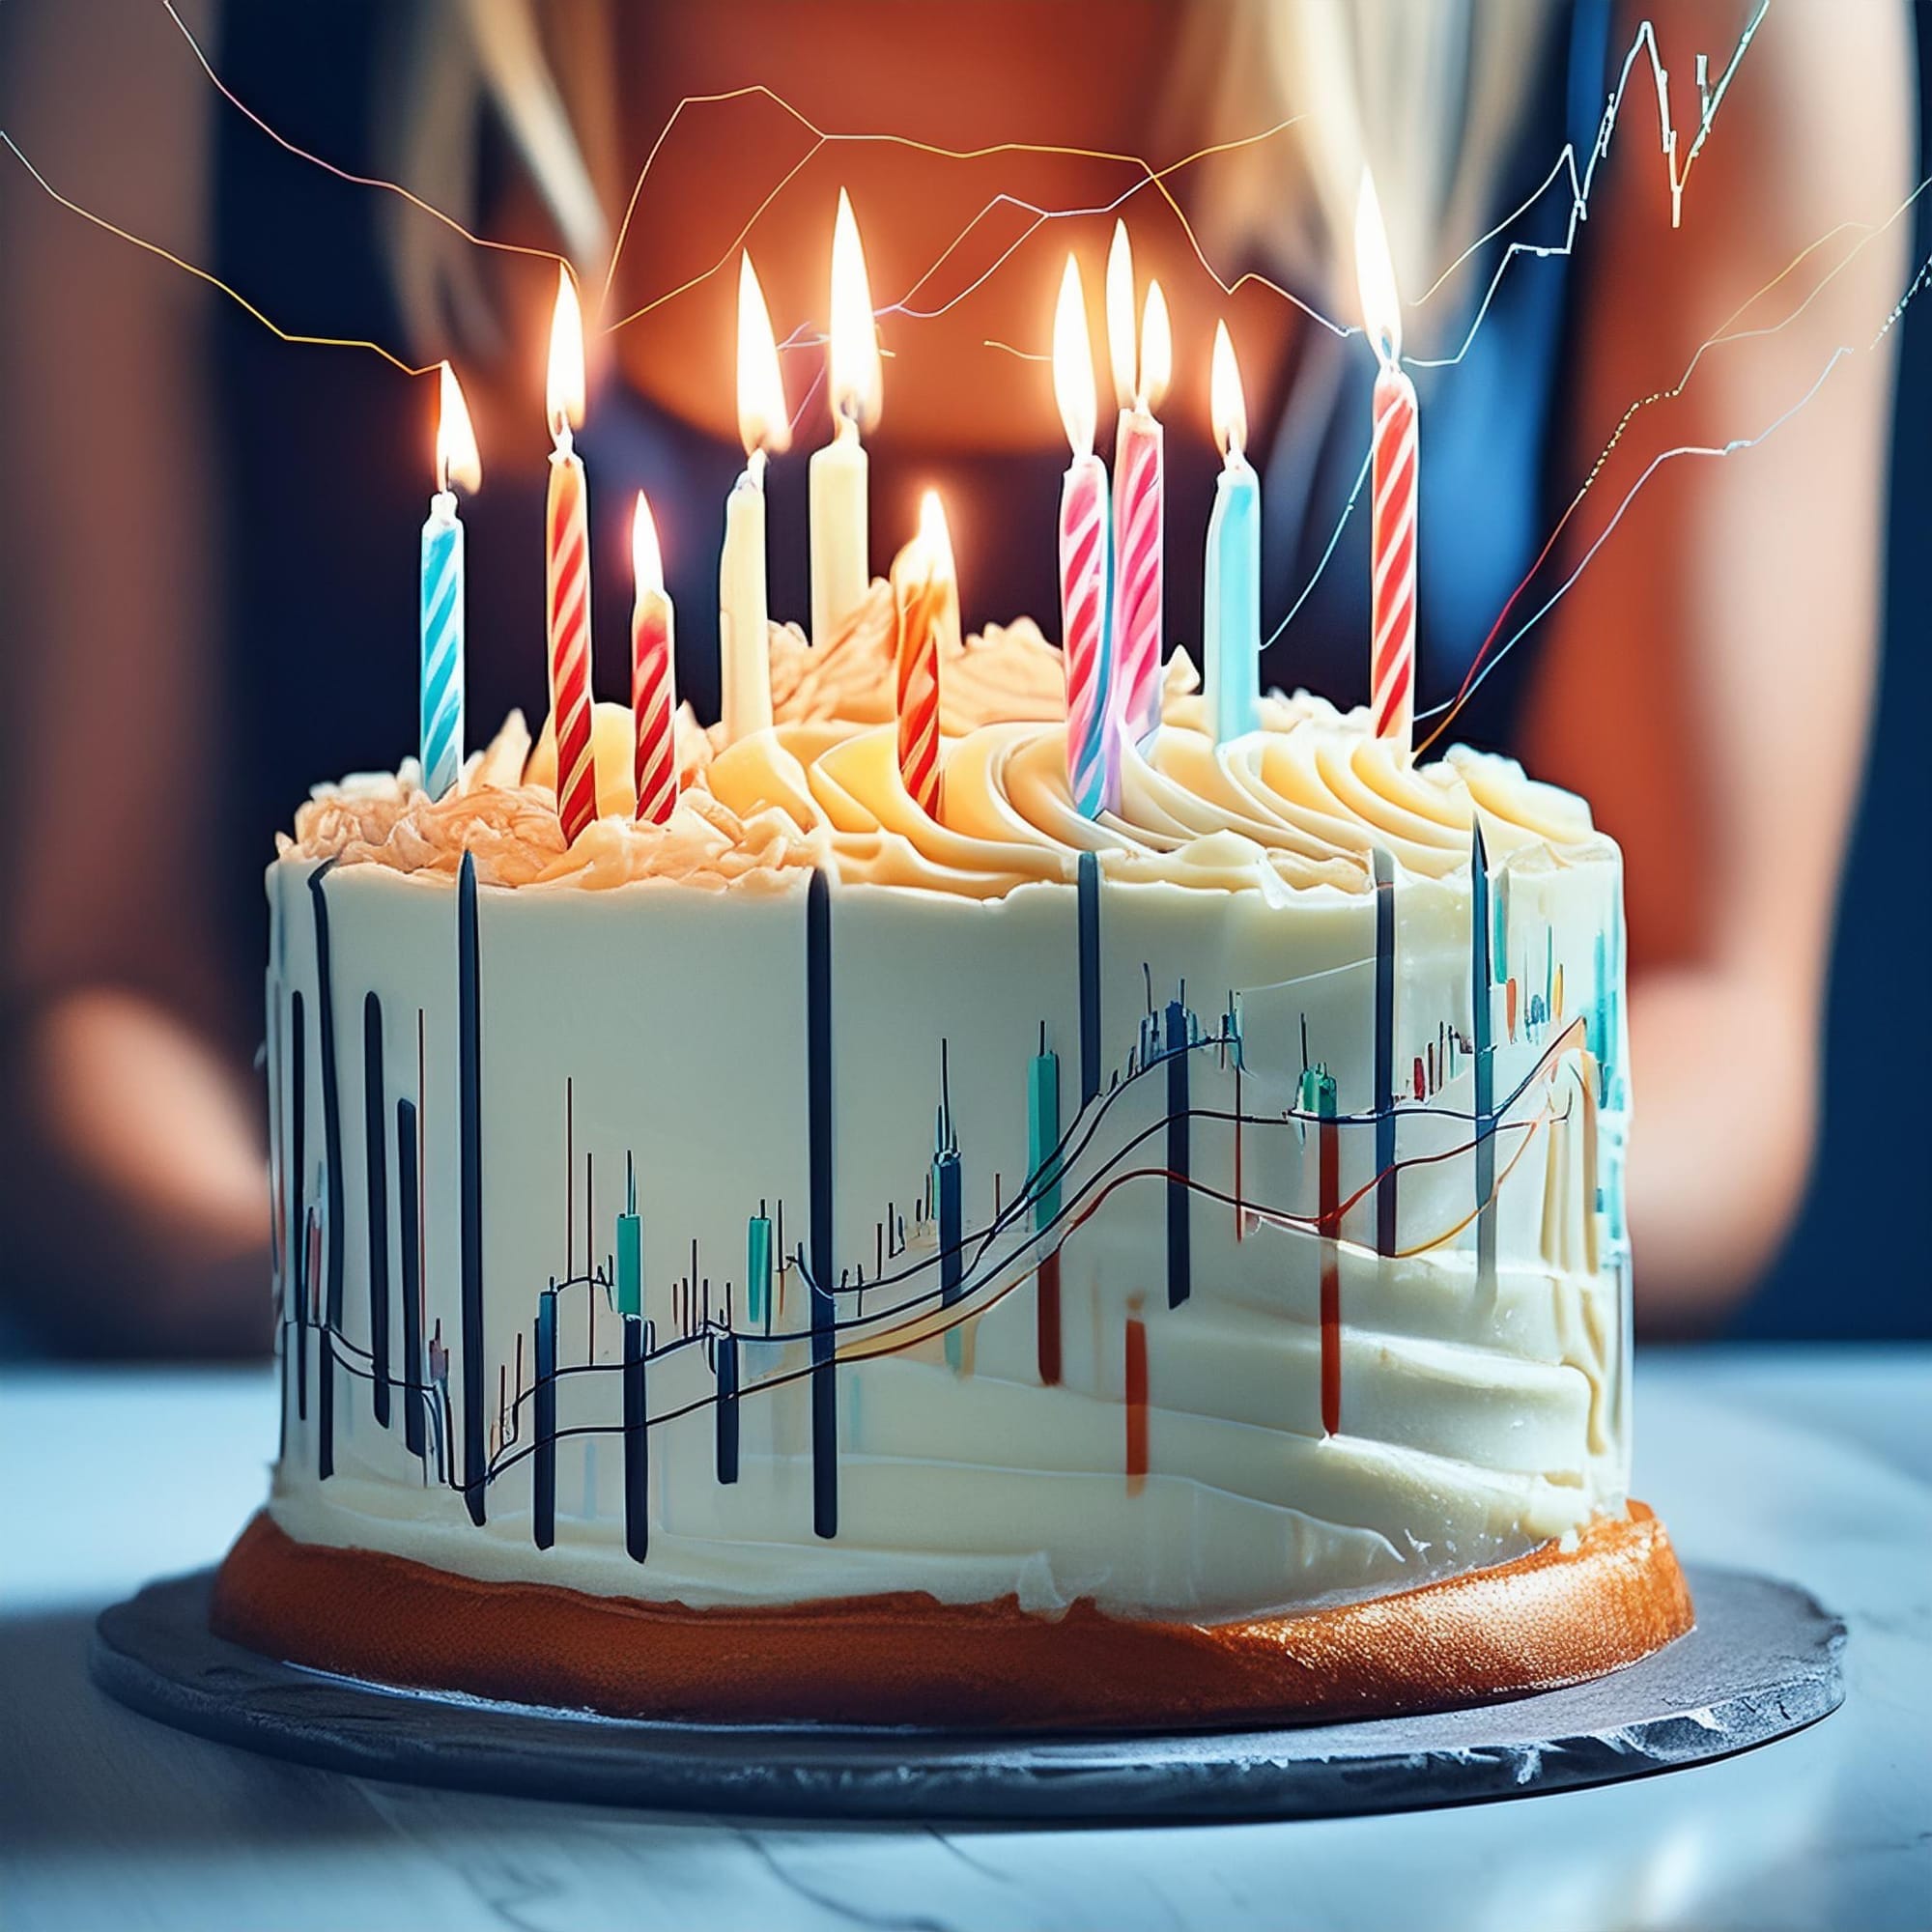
(1225, 1127)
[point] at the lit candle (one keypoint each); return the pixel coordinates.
(1393, 486)
(653, 675)
(1092, 744)
(567, 552)
(1230, 619)
(743, 645)
(922, 582)
(441, 603)
(1140, 381)
(841, 562)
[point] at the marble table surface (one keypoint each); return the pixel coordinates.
(1813, 1464)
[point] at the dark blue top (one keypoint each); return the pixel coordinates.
(1492, 477)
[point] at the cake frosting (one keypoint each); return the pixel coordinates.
(1208, 1211)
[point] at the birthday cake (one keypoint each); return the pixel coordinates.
(817, 1259)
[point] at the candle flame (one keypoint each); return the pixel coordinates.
(1156, 350)
(647, 559)
(1228, 406)
(456, 457)
(935, 539)
(853, 352)
(563, 387)
(763, 422)
(1375, 275)
(1120, 314)
(1073, 362)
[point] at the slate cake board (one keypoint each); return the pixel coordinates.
(1764, 1660)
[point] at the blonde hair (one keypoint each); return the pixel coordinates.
(1428, 92)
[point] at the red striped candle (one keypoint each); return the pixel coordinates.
(1392, 545)
(1395, 468)
(567, 553)
(921, 587)
(653, 676)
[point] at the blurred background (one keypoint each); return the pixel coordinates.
(209, 535)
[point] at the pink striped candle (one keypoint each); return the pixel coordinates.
(1392, 545)
(567, 552)
(1092, 744)
(653, 676)
(1139, 492)
(1394, 472)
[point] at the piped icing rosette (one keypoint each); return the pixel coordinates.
(1298, 804)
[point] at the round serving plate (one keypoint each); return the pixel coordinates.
(1763, 1661)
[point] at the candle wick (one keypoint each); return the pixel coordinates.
(1385, 349)
(559, 430)
(754, 467)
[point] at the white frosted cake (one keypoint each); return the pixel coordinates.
(1003, 1267)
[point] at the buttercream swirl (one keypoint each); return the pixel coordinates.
(1301, 802)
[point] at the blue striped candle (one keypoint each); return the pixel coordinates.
(442, 605)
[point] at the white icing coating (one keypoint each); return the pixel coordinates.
(662, 1024)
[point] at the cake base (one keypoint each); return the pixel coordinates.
(1763, 1661)
(1554, 1617)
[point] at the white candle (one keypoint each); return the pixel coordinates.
(840, 559)
(744, 643)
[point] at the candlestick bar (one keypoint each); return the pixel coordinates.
(299, 1181)
(1382, 864)
(1481, 1027)
(1043, 1183)
(725, 1405)
(409, 1205)
(375, 1149)
(818, 1143)
(543, 1477)
(1179, 1191)
(335, 1215)
(637, 1441)
(1318, 1097)
(759, 1271)
(1088, 909)
(469, 1221)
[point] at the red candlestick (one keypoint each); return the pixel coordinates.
(1392, 543)
(1139, 491)
(653, 677)
(569, 609)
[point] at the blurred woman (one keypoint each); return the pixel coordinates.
(1706, 682)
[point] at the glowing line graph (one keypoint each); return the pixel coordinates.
(348, 175)
(1644, 43)
(1482, 664)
